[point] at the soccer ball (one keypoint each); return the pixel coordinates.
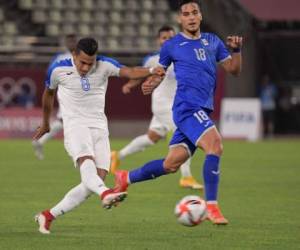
(191, 210)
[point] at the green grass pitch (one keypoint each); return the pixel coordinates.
(259, 194)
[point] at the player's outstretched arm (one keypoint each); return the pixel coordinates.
(150, 84)
(47, 102)
(131, 84)
(234, 65)
(141, 72)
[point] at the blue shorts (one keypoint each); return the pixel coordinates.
(190, 129)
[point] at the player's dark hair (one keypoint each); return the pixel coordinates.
(88, 45)
(165, 28)
(183, 2)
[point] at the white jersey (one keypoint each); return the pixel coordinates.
(82, 99)
(163, 95)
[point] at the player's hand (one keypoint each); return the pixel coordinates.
(41, 131)
(234, 42)
(126, 89)
(150, 84)
(159, 71)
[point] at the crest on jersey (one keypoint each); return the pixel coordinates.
(85, 83)
(205, 42)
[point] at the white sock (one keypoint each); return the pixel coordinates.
(90, 178)
(185, 168)
(55, 128)
(136, 145)
(72, 199)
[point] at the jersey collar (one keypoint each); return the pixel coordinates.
(189, 38)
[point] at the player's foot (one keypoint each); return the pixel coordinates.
(44, 219)
(112, 197)
(38, 149)
(114, 161)
(121, 180)
(215, 216)
(190, 182)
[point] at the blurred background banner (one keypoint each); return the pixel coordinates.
(19, 123)
(19, 82)
(241, 118)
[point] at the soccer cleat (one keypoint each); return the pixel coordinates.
(112, 197)
(190, 182)
(44, 219)
(38, 149)
(114, 161)
(121, 180)
(214, 215)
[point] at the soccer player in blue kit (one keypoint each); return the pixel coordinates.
(195, 56)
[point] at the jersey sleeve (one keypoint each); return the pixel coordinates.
(165, 58)
(51, 81)
(113, 66)
(222, 52)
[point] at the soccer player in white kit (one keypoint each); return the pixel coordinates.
(57, 125)
(82, 82)
(162, 120)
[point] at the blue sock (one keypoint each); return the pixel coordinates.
(211, 177)
(150, 170)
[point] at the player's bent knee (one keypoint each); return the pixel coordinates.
(80, 160)
(214, 147)
(217, 148)
(171, 167)
(175, 158)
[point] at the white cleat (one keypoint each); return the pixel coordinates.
(44, 220)
(111, 198)
(38, 149)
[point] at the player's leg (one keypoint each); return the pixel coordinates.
(89, 175)
(138, 144)
(101, 147)
(211, 142)
(179, 152)
(152, 169)
(187, 180)
(95, 184)
(72, 199)
(155, 132)
(201, 132)
(55, 127)
(80, 144)
(75, 196)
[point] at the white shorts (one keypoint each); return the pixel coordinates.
(83, 141)
(162, 123)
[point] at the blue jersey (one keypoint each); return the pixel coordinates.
(195, 64)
